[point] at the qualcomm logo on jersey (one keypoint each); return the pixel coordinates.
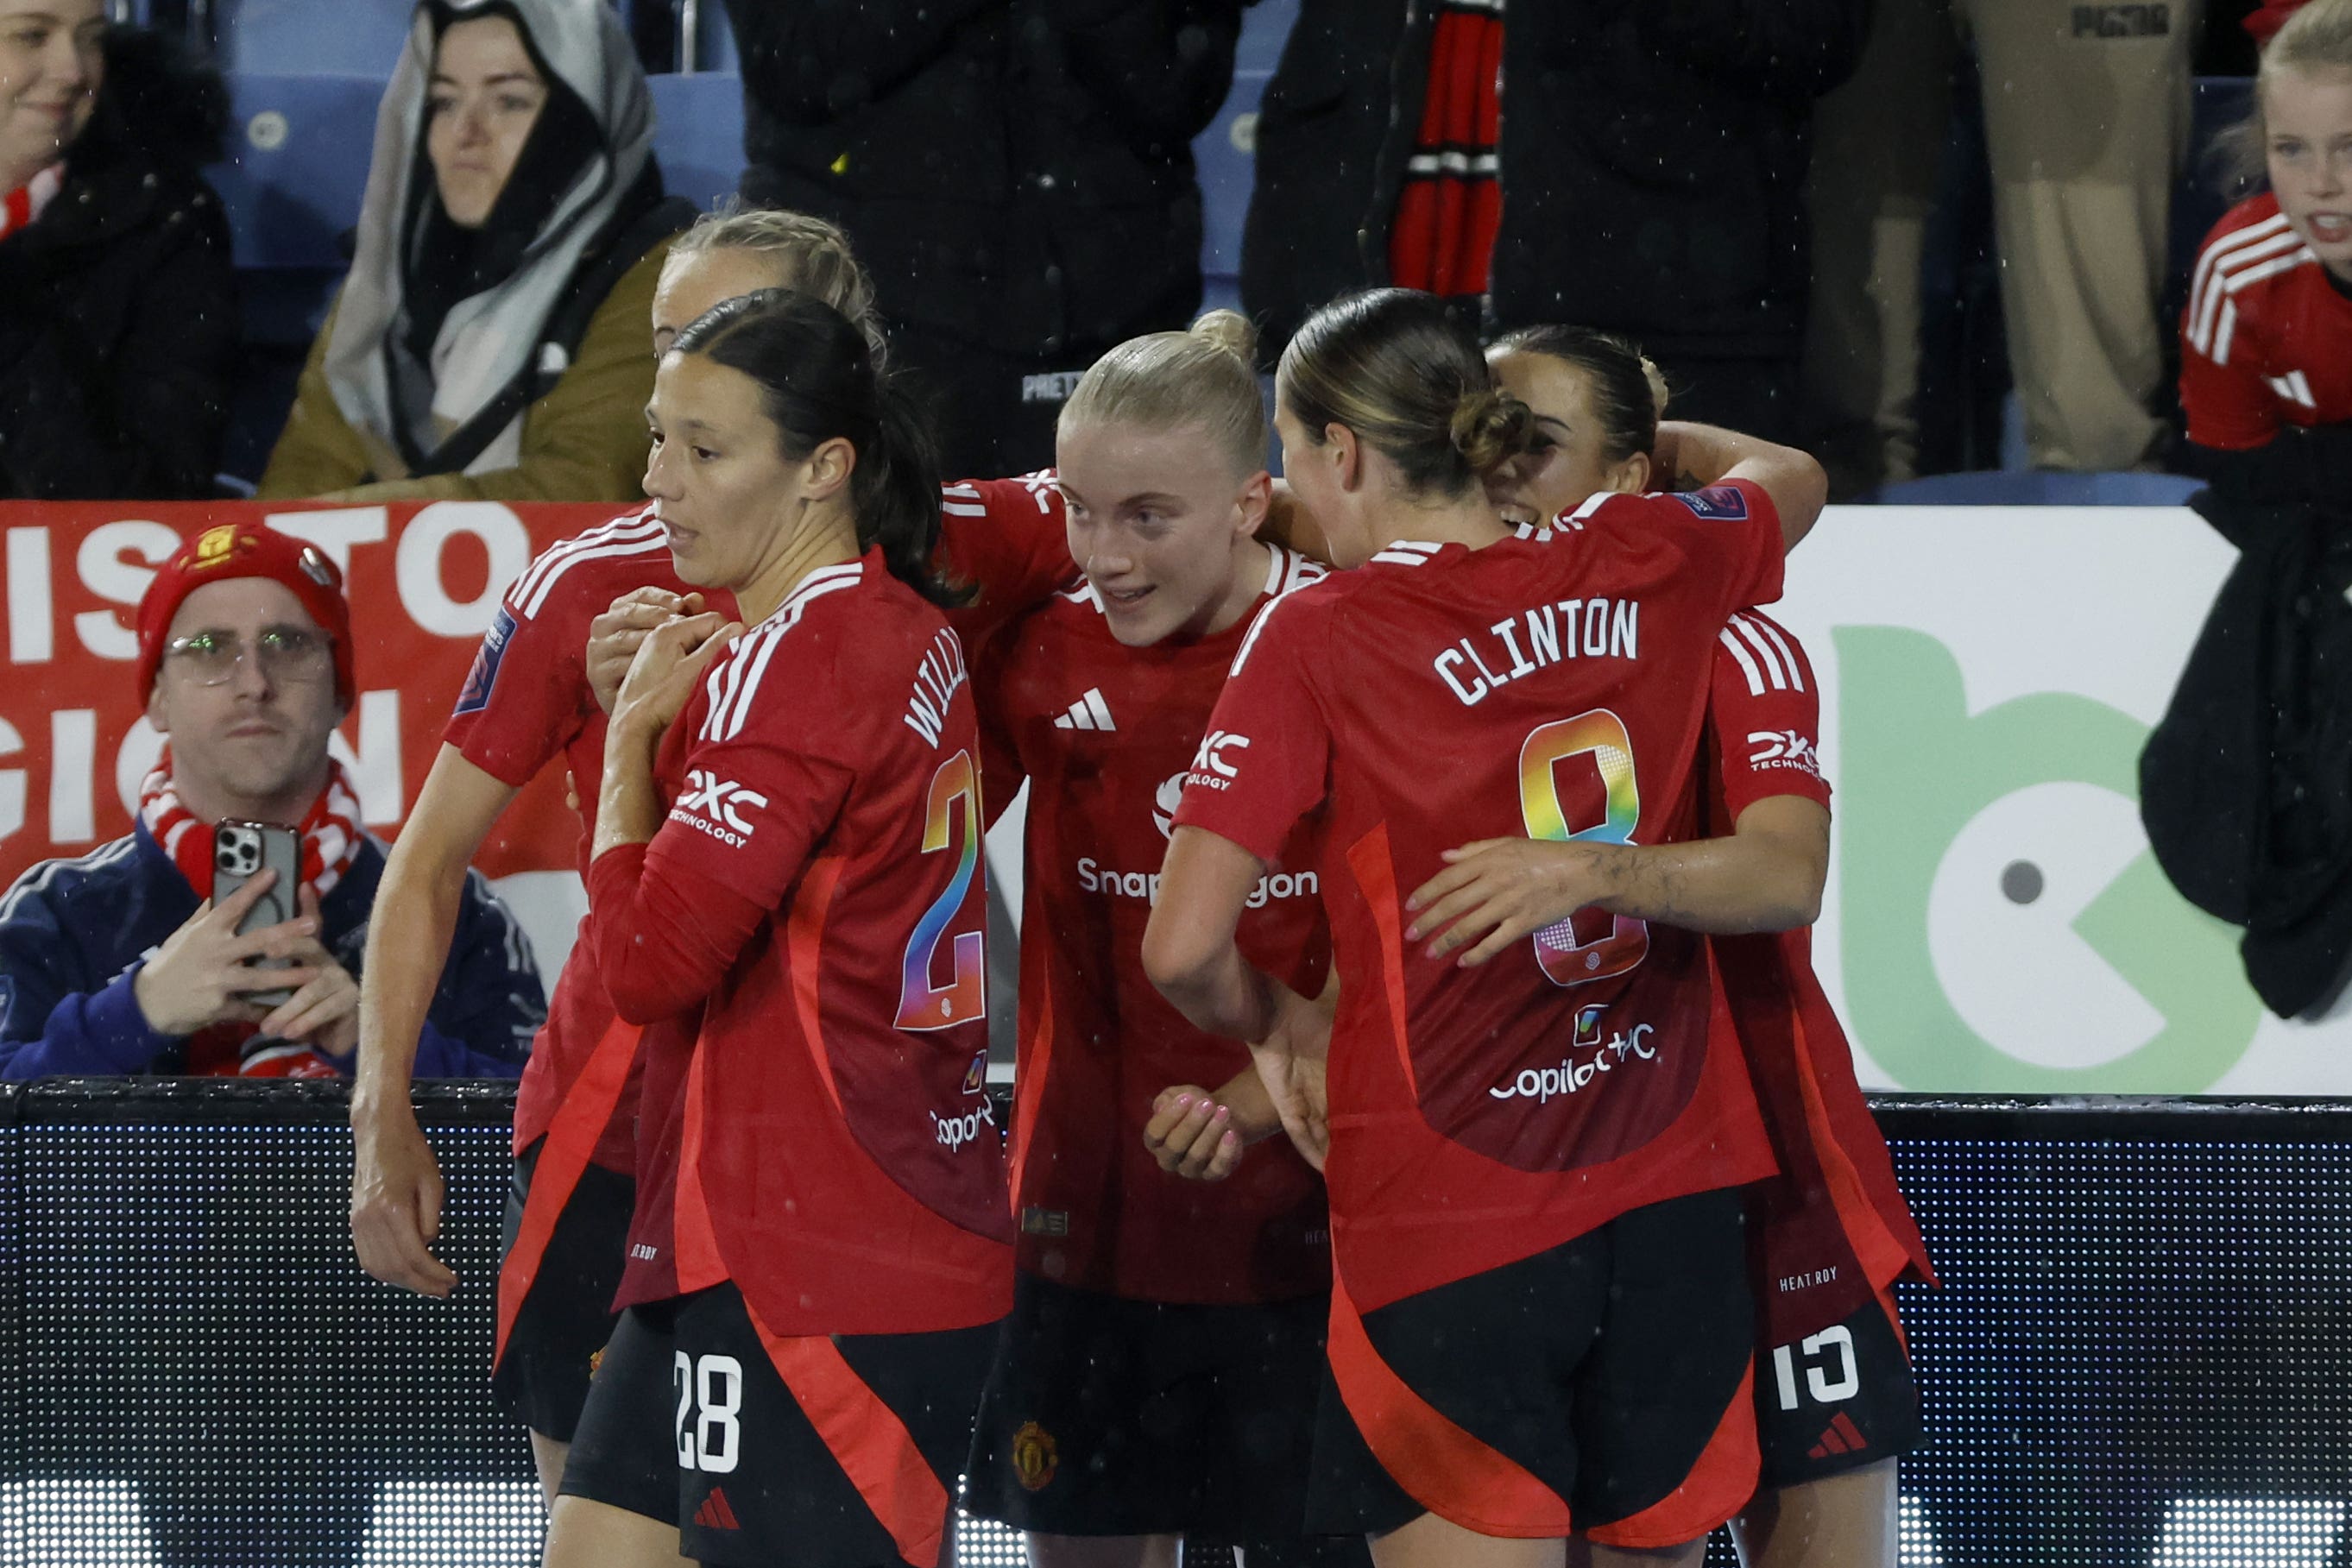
(954, 1131)
(1164, 802)
(1783, 748)
(1215, 764)
(716, 806)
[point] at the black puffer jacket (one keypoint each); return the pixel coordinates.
(1015, 172)
(1654, 156)
(2246, 783)
(118, 308)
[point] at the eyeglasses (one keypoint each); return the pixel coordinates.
(211, 658)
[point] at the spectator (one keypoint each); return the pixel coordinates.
(1650, 172)
(1017, 172)
(490, 340)
(118, 309)
(2086, 116)
(117, 962)
(2267, 342)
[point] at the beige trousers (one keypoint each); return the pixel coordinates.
(2086, 114)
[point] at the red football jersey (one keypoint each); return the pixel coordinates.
(1833, 1227)
(832, 1151)
(1555, 688)
(526, 700)
(1105, 733)
(2267, 337)
(1007, 538)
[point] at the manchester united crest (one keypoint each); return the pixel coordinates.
(1034, 1458)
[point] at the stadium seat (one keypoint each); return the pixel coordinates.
(1265, 27)
(698, 135)
(360, 38)
(714, 41)
(1225, 154)
(297, 162)
(2041, 487)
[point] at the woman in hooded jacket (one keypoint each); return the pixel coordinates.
(490, 340)
(118, 309)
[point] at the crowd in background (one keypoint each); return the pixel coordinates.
(1762, 193)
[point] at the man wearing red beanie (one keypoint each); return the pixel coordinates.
(119, 961)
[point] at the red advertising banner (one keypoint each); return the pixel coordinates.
(424, 579)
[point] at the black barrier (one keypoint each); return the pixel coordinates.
(2139, 1360)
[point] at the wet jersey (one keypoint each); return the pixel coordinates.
(1104, 734)
(1833, 1228)
(818, 888)
(1552, 687)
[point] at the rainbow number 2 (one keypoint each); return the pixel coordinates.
(1601, 734)
(964, 998)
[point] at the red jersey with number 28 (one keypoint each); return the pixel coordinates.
(1551, 687)
(1831, 1229)
(1105, 733)
(832, 1151)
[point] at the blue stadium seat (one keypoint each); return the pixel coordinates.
(1227, 156)
(1265, 26)
(698, 135)
(2041, 487)
(715, 51)
(360, 38)
(299, 148)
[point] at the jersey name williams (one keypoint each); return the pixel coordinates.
(1513, 648)
(936, 680)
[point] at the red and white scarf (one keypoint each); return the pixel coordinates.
(1442, 239)
(20, 207)
(331, 832)
(330, 842)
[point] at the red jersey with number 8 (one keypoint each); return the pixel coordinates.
(1552, 687)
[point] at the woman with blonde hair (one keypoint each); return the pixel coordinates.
(1157, 1377)
(2267, 342)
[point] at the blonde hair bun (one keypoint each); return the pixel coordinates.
(1229, 330)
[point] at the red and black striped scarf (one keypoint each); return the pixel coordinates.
(1443, 236)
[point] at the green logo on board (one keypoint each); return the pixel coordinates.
(2003, 926)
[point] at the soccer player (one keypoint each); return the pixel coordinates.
(1829, 1237)
(2266, 343)
(785, 891)
(1158, 1374)
(1570, 1127)
(537, 693)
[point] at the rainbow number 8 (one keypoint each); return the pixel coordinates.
(1603, 733)
(964, 998)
